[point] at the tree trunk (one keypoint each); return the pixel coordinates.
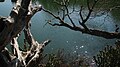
(11, 27)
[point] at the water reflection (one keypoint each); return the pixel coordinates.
(64, 38)
(5, 8)
(77, 42)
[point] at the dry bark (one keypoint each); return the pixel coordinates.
(10, 29)
(82, 20)
(19, 21)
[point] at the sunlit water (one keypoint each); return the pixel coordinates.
(64, 38)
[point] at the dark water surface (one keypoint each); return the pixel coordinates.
(64, 38)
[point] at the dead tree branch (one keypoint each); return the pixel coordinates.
(84, 28)
(11, 27)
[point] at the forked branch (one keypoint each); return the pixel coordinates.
(84, 28)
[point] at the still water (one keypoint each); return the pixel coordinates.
(64, 38)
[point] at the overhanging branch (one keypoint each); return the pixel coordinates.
(85, 29)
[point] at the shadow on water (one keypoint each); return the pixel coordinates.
(64, 38)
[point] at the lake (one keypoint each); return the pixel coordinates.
(64, 38)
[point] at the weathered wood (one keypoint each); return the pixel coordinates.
(19, 20)
(14, 23)
(11, 27)
(35, 48)
(84, 29)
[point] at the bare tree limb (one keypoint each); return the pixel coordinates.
(18, 52)
(35, 50)
(11, 27)
(85, 29)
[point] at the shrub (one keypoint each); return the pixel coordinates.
(109, 57)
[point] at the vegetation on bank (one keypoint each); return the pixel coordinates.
(33, 57)
(108, 57)
(61, 59)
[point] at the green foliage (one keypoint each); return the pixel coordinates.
(61, 59)
(109, 57)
